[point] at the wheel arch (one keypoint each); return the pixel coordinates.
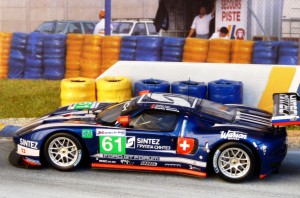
(86, 158)
(248, 144)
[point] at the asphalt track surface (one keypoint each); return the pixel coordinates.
(47, 182)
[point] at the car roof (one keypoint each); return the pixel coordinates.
(146, 21)
(70, 21)
(163, 101)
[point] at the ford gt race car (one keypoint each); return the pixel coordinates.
(159, 132)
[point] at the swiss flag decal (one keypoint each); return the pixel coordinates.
(185, 145)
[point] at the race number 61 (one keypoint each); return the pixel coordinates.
(112, 145)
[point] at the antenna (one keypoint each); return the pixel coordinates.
(189, 88)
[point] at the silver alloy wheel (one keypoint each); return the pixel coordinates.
(234, 163)
(63, 151)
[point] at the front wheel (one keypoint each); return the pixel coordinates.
(234, 162)
(63, 151)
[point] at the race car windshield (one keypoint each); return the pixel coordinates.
(110, 115)
(217, 110)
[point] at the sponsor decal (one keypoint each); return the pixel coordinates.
(32, 161)
(21, 150)
(83, 105)
(28, 143)
(164, 107)
(287, 105)
(107, 161)
(110, 132)
(126, 105)
(194, 168)
(146, 163)
(130, 142)
(233, 135)
(254, 144)
(148, 143)
(215, 161)
(169, 160)
(264, 149)
(173, 165)
(129, 157)
(87, 133)
(112, 144)
(126, 162)
(206, 147)
(185, 145)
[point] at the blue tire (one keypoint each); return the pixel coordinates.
(190, 88)
(225, 91)
(153, 85)
(149, 48)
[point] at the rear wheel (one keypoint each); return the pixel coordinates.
(63, 151)
(233, 162)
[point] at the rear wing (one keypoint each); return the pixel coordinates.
(286, 109)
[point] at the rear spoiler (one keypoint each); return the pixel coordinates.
(286, 109)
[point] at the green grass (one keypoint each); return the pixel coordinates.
(28, 98)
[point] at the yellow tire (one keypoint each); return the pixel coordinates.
(74, 90)
(113, 89)
(75, 36)
(195, 50)
(72, 73)
(91, 39)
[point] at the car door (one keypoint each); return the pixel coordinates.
(152, 137)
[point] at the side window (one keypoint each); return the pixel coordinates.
(151, 29)
(154, 120)
(74, 28)
(88, 28)
(60, 27)
(139, 29)
(47, 27)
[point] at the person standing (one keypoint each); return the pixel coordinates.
(221, 34)
(100, 27)
(201, 23)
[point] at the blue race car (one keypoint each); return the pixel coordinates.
(159, 132)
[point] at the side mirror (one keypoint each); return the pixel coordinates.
(124, 120)
(141, 93)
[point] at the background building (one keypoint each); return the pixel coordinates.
(263, 16)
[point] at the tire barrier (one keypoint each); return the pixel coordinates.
(190, 88)
(172, 49)
(288, 53)
(128, 48)
(153, 85)
(73, 57)
(5, 40)
(111, 48)
(225, 91)
(149, 48)
(75, 90)
(195, 50)
(219, 51)
(54, 56)
(90, 64)
(34, 67)
(17, 55)
(265, 52)
(241, 51)
(113, 89)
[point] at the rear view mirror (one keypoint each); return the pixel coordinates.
(124, 120)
